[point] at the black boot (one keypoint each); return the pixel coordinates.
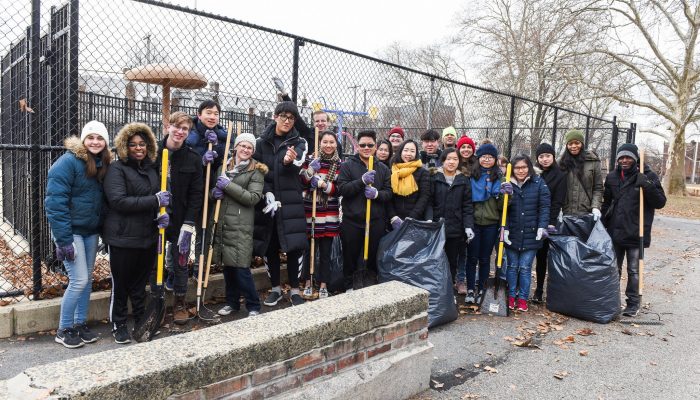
(358, 280)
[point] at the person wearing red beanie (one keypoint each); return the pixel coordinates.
(396, 137)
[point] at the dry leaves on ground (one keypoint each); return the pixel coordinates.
(491, 369)
(561, 375)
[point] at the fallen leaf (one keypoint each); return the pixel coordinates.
(508, 338)
(561, 375)
(557, 327)
(627, 332)
(489, 353)
(436, 384)
(458, 375)
(477, 365)
(583, 353)
(569, 339)
(470, 396)
(585, 332)
(21, 338)
(653, 363)
(491, 369)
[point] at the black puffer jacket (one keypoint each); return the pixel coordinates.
(283, 181)
(186, 185)
(621, 206)
(452, 202)
(415, 204)
(130, 189)
(555, 179)
(354, 202)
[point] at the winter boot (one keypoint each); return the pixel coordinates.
(180, 314)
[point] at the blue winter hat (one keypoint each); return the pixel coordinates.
(487, 148)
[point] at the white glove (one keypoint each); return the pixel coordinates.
(540, 232)
(272, 205)
(596, 214)
(505, 237)
(470, 234)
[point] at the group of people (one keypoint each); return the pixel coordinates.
(266, 192)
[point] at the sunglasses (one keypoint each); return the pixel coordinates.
(366, 145)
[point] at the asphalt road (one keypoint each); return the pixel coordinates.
(572, 358)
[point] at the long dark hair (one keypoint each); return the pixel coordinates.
(572, 163)
(553, 166)
(391, 150)
(528, 162)
(397, 155)
(495, 171)
(91, 169)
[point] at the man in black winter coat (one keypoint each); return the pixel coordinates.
(357, 184)
(620, 212)
(430, 155)
(280, 222)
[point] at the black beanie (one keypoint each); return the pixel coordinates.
(628, 149)
(544, 148)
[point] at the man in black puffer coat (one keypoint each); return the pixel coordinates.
(620, 212)
(280, 222)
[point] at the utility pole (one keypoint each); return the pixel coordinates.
(354, 96)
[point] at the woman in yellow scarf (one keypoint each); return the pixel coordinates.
(410, 183)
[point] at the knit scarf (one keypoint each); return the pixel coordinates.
(402, 181)
(237, 168)
(333, 161)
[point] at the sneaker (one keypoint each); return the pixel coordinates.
(461, 288)
(272, 298)
(631, 311)
(470, 297)
(69, 338)
(537, 298)
(169, 282)
(308, 293)
(479, 297)
(121, 334)
(226, 310)
(511, 303)
(296, 299)
(85, 334)
(253, 313)
(522, 305)
(322, 293)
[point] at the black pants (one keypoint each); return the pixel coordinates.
(632, 290)
(294, 260)
(541, 267)
(131, 269)
(323, 272)
(452, 248)
(240, 280)
(353, 239)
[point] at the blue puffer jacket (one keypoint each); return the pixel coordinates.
(528, 210)
(73, 202)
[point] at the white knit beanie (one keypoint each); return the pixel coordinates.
(95, 127)
(245, 137)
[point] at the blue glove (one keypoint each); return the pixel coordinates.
(163, 220)
(163, 199)
(314, 182)
(222, 182)
(211, 137)
(507, 188)
(551, 230)
(65, 252)
(184, 241)
(368, 177)
(315, 164)
(209, 157)
(217, 193)
(396, 223)
(371, 193)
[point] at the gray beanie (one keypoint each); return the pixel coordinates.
(245, 137)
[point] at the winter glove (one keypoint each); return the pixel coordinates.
(396, 223)
(222, 182)
(163, 220)
(541, 234)
(211, 137)
(184, 242)
(642, 180)
(65, 252)
(163, 198)
(505, 237)
(314, 182)
(596, 214)
(368, 177)
(209, 157)
(506, 188)
(551, 230)
(470, 234)
(217, 193)
(272, 204)
(315, 164)
(371, 193)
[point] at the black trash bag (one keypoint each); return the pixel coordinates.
(414, 254)
(582, 277)
(336, 281)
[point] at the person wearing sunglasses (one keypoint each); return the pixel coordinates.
(357, 184)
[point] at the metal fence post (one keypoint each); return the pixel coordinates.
(588, 128)
(430, 103)
(34, 161)
(554, 127)
(511, 125)
(73, 68)
(295, 68)
(613, 144)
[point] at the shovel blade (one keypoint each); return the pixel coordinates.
(152, 318)
(495, 300)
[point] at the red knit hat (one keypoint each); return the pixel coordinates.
(466, 140)
(397, 129)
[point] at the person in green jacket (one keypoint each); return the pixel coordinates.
(239, 190)
(584, 179)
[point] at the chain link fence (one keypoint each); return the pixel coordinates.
(64, 63)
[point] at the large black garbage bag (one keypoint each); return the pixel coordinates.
(336, 280)
(583, 280)
(414, 254)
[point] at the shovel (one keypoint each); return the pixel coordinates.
(155, 312)
(360, 275)
(495, 300)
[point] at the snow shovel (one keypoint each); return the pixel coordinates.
(495, 300)
(360, 275)
(155, 312)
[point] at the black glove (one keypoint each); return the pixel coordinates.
(642, 180)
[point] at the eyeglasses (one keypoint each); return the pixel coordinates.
(285, 118)
(521, 167)
(366, 145)
(133, 145)
(487, 158)
(181, 128)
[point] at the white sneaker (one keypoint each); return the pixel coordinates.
(322, 293)
(253, 313)
(225, 310)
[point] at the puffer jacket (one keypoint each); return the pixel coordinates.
(354, 202)
(528, 210)
(233, 237)
(283, 181)
(415, 204)
(583, 195)
(487, 212)
(197, 141)
(73, 202)
(556, 183)
(130, 189)
(451, 202)
(621, 206)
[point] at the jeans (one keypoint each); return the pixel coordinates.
(462, 265)
(240, 280)
(479, 251)
(76, 299)
(173, 266)
(519, 272)
(632, 290)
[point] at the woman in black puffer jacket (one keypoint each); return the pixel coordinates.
(410, 184)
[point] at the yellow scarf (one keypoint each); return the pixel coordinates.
(402, 181)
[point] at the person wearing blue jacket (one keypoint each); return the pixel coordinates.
(526, 227)
(73, 206)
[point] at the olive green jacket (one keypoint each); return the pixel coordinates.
(585, 194)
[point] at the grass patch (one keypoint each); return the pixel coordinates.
(682, 207)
